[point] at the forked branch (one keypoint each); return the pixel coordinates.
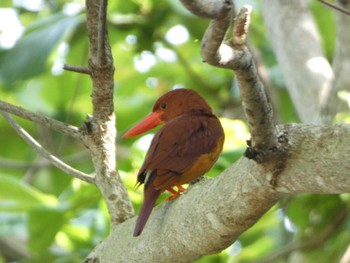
(235, 55)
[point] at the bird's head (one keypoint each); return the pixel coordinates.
(169, 106)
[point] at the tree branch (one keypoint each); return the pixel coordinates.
(100, 133)
(77, 69)
(41, 119)
(308, 74)
(212, 214)
(335, 7)
(235, 55)
(340, 65)
(102, 56)
(257, 108)
(207, 9)
(214, 36)
(331, 150)
(53, 159)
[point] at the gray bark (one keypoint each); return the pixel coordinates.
(297, 46)
(212, 214)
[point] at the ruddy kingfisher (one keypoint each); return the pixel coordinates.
(185, 148)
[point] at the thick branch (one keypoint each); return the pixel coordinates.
(258, 109)
(40, 119)
(340, 65)
(204, 220)
(53, 159)
(297, 45)
(212, 214)
(100, 132)
(320, 151)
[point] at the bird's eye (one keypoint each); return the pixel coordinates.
(163, 105)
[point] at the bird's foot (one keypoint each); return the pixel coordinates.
(175, 194)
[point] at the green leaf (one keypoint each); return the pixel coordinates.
(44, 223)
(17, 196)
(29, 56)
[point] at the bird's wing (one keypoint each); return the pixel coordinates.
(176, 147)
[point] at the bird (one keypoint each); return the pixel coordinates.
(184, 148)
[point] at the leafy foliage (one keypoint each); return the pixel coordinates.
(59, 219)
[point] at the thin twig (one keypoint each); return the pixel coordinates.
(40, 119)
(53, 159)
(335, 7)
(77, 69)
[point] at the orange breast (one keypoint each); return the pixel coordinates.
(203, 164)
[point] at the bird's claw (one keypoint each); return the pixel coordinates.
(175, 194)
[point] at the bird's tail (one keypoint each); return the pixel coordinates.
(150, 197)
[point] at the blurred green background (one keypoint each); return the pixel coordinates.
(46, 216)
